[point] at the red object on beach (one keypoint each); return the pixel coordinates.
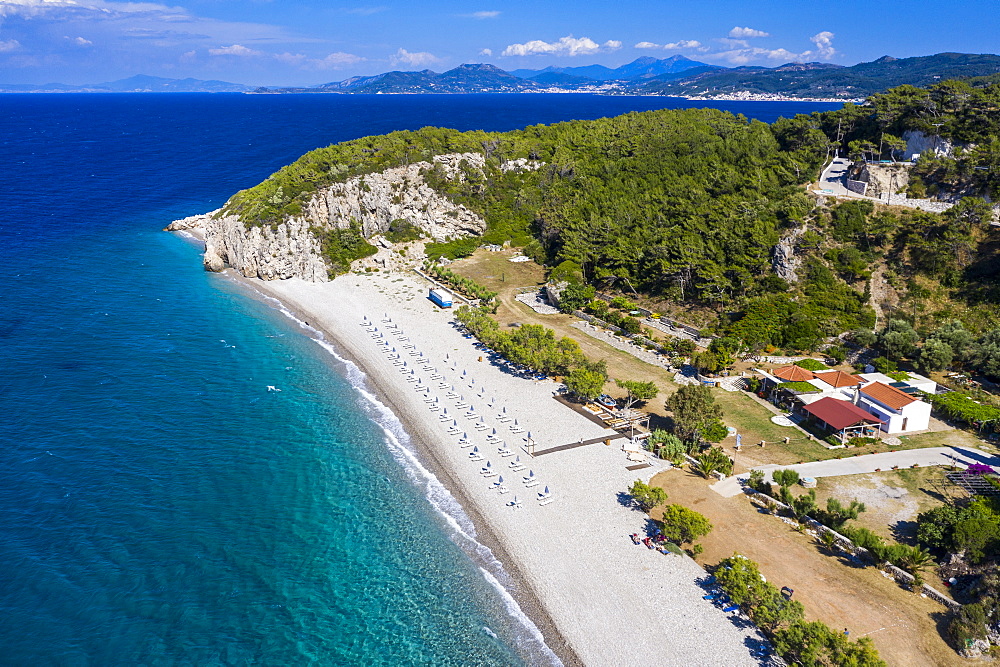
(648, 543)
(635, 538)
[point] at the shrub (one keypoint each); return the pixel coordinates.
(812, 365)
(647, 497)
(681, 525)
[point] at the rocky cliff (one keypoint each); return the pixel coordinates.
(373, 201)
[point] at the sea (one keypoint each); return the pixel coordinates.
(190, 476)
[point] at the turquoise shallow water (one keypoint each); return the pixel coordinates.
(159, 504)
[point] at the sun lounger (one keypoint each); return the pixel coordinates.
(531, 484)
(548, 500)
(502, 490)
(732, 607)
(519, 467)
(515, 503)
(506, 452)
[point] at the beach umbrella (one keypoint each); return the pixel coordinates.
(444, 412)
(529, 435)
(547, 492)
(500, 480)
(505, 409)
(494, 432)
(482, 420)
(531, 474)
(464, 373)
(515, 422)
(475, 450)
(465, 436)
(454, 422)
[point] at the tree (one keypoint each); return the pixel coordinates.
(836, 514)
(954, 333)
(682, 526)
(935, 355)
(712, 460)
(802, 505)
(916, 560)
(726, 350)
(647, 497)
(898, 339)
(785, 477)
(694, 410)
(666, 445)
(575, 296)
(986, 354)
(586, 383)
(638, 391)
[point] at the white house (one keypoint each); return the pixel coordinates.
(900, 412)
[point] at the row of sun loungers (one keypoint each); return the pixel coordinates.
(530, 481)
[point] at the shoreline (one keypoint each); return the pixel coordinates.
(523, 595)
(593, 596)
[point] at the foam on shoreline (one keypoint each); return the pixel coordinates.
(528, 637)
(596, 597)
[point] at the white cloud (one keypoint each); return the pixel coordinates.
(824, 44)
(486, 52)
(234, 50)
(747, 33)
(566, 46)
(79, 41)
(683, 44)
(336, 60)
(492, 14)
(95, 8)
(419, 59)
(365, 11)
(745, 54)
(9, 45)
(672, 46)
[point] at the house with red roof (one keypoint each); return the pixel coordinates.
(895, 406)
(843, 418)
(899, 411)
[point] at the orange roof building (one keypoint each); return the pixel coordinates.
(793, 374)
(887, 396)
(839, 379)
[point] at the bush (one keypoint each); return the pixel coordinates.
(452, 249)
(812, 365)
(785, 477)
(647, 497)
(681, 525)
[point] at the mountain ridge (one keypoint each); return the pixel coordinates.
(674, 76)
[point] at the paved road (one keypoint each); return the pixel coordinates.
(858, 465)
(834, 176)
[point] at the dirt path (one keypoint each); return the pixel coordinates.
(902, 624)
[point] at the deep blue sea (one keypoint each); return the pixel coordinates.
(158, 504)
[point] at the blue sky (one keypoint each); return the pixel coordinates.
(303, 42)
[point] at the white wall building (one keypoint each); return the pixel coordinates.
(900, 411)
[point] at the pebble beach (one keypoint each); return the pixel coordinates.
(598, 598)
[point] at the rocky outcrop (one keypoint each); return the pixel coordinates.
(917, 142)
(885, 179)
(373, 202)
(285, 251)
(784, 259)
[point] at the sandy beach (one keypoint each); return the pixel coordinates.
(604, 601)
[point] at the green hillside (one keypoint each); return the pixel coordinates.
(687, 206)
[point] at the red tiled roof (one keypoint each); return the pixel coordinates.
(840, 379)
(840, 414)
(887, 395)
(793, 374)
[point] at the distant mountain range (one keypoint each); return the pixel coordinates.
(826, 80)
(134, 84)
(676, 75)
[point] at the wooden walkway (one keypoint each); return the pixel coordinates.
(584, 443)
